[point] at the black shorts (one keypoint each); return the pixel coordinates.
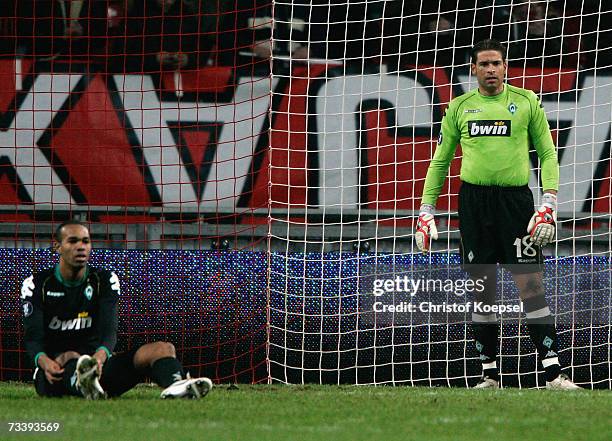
(493, 223)
(118, 376)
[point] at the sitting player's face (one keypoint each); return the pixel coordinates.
(75, 247)
(490, 70)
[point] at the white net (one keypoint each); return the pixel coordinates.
(361, 87)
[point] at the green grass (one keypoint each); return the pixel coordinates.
(318, 413)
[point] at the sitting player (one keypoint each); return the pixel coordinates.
(70, 312)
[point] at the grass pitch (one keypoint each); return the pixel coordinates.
(318, 413)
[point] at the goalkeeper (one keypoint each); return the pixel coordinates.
(70, 312)
(495, 125)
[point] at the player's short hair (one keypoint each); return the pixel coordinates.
(488, 45)
(58, 231)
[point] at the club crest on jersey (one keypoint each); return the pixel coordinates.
(489, 128)
(440, 138)
(88, 292)
(512, 108)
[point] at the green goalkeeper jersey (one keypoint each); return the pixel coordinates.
(495, 133)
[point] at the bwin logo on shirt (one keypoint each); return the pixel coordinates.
(490, 128)
(70, 325)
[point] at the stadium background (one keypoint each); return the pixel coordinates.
(238, 198)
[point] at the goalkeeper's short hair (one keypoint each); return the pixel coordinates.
(488, 45)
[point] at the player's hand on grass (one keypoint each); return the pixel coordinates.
(542, 224)
(53, 371)
(426, 228)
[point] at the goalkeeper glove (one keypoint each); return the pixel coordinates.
(426, 228)
(542, 224)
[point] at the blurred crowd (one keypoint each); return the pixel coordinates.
(153, 35)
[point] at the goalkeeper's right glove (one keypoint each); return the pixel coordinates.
(426, 228)
(541, 227)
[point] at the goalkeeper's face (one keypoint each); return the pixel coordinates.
(490, 71)
(75, 247)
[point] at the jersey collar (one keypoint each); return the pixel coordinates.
(500, 96)
(70, 283)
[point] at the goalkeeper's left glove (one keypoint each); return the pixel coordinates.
(542, 224)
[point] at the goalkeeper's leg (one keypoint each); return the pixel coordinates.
(485, 328)
(541, 326)
(479, 256)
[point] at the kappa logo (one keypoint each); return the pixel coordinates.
(55, 294)
(490, 128)
(27, 289)
(114, 283)
(81, 322)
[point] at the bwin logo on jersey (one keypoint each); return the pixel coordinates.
(490, 128)
(70, 325)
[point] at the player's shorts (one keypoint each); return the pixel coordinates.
(493, 223)
(118, 376)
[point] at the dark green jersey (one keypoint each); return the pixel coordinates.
(495, 133)
(78, 316)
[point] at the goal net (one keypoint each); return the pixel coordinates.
(147, 120)
(351, 141)
(252, 171)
